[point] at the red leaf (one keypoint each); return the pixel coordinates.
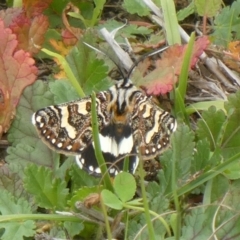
(69, 37)
(37, 31)
(20, 27)
(17, 71)
(168, 68)
(30, 33)
(34, 8)
(9, 14)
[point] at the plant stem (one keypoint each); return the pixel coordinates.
(175, 196)
(152, 213)
(22, 217)
(67, 70)
(97, 145)
(107, 225)
(145, 202)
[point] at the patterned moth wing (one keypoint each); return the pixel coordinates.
(152, 128)
(66, 127)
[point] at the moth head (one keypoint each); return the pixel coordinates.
(121, 109)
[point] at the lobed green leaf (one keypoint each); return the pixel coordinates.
(49, 192)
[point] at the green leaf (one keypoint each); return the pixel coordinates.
(82, 193)
(215, 189)
(233, 102)
(125, 186)
(27, 146)
(49, 192)
(18, 230)
(73, 228)
(136, 7)
(233, 171)
(11, 182)
(63, 170)
(182, 153)
(81, 178)
(210, 126)
(197, 224)
(21, 155)
(8, 205)
(33, 98)
(89, 21)
(221, 131)
(208, 8)
(228, 219)
(54, 12)
(15, 230)
(180, 91)
(227, 24)
(200, 106)
(201, 156)
(185, 12)
(111, 200)
(63, 91)
(231, 135)
(183, 148)
(99, 4)
(90, 72)
(165, 173)
(170, 22)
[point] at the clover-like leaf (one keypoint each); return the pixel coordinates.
(111, 200)
(125, 186)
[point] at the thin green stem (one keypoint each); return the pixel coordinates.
(97, 145)
(207, 176)
(49, 217)
(175, 196)
(145, 202)
(152, 213)
(107, 225)
(67, 70)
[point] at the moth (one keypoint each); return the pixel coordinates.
(130, 124)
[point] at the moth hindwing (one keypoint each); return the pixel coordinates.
(129, 124)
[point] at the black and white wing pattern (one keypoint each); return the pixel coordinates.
(129, 124)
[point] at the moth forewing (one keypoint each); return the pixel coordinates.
(66, 127)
